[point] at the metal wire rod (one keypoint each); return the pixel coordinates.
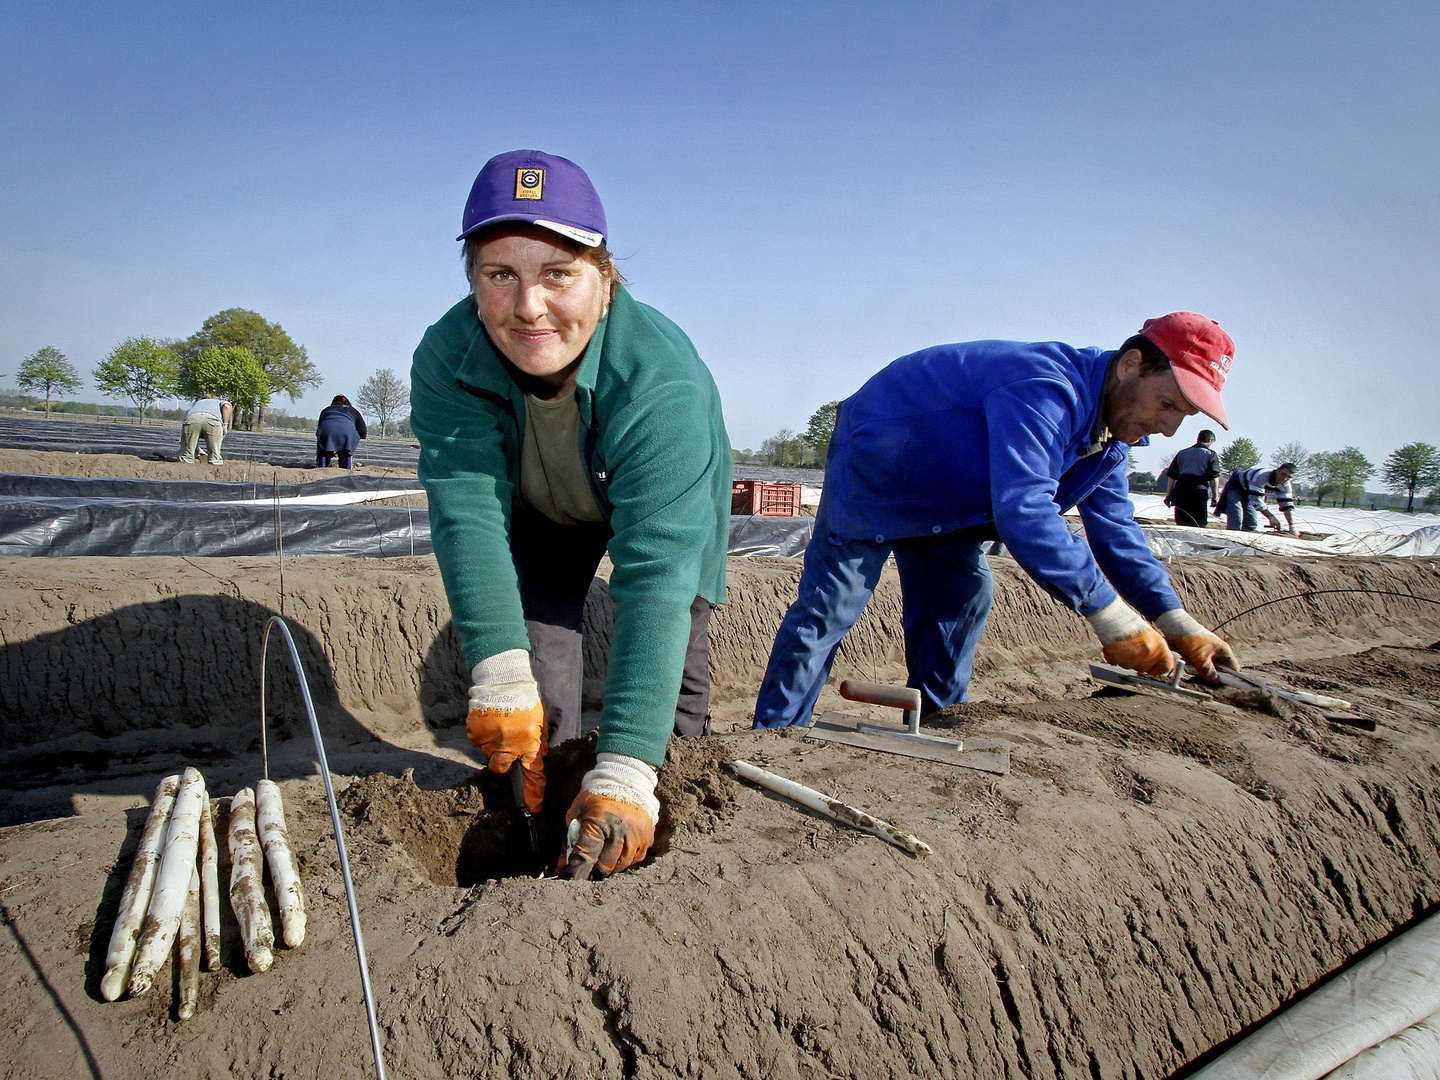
(1322, 592)
(276, 620)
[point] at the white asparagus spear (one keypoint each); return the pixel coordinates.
(836, 811)
(135, 898)
(210, 886)
(172, 883)
(247, 884)
(284, 875)
(188, 948)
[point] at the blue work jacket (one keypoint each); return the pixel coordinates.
(1002, 433)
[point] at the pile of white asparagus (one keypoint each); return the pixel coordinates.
(173, 889)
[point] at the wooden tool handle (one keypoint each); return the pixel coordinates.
(901, 697)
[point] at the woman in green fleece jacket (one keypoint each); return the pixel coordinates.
(558, 418)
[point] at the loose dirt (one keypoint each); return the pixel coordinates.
(1152, 876)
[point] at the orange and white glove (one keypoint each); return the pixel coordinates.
(507, 720)
(1196, 644)
(1129, 641)
(611, 824)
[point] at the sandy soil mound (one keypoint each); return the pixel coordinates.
(1153, 874)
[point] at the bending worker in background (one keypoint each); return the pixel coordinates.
(338, 431)
(558, 418)
(957, 445)
(1244, 494)
(206, 419)
(1194, 481)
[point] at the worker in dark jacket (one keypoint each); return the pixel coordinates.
(1194, 481)
(338, 431)
(957, 445)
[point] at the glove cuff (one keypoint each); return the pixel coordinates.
(1116, 621)
(504, 681)
(1178, 623)
(626, 779)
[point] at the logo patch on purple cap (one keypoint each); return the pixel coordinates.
(529, 183)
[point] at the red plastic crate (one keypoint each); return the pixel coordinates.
(766, 498)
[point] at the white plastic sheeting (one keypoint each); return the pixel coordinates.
(1345, 532)
(1413, 1054)
(1393, 990)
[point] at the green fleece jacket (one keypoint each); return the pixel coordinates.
(654, 445)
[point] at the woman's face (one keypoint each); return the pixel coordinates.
(539, 302)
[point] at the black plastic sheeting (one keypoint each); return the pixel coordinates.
(162, 443)
(65, 516)
(62, 527)
(16, 485)
(756, 535)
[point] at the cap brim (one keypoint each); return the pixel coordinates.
(572, 232)
(1202, 395)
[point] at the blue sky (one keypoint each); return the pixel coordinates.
(809, 190)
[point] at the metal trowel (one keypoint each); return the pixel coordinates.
(1130, 681)
(517, 785)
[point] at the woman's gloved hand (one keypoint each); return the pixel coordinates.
(1129, 641)
(611, 824)
(507, 720)
(1198, 645)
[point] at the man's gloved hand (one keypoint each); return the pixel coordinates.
(507, 720)
(1168, 502)
(1129, 641)
(611, 824)
(1196, 644)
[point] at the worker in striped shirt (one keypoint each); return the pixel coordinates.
(1245, 493)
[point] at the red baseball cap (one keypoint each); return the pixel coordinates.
(1200, 354)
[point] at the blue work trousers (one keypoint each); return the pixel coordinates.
(946, 589)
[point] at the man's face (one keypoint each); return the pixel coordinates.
(1137, 405)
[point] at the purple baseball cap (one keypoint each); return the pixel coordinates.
(527, 185)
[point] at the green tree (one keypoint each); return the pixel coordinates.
(1240, 454)
(787, 449)
(821, 428)
(1414, 465)
(140, 369)
(286, 365)
(232, 372)
(1352, 469)
(50, 370)
(1322, 470)
(383, 395)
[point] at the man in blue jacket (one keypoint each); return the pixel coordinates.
(954, 446)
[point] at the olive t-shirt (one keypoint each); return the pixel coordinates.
(552, 472)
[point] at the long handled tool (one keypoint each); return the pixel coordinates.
(833, 809)
(1328, 706)
(1231, 677)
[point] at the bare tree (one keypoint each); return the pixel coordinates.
(383, 395)
(1293, 453)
